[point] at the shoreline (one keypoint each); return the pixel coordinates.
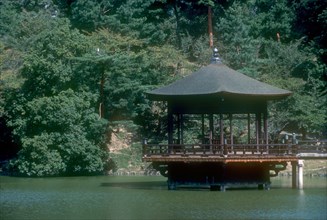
(311, 169)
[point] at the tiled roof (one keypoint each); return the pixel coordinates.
(217, 79)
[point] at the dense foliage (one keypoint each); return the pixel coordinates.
(73, 69)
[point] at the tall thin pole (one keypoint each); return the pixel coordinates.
(210, 27)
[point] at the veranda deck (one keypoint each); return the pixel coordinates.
(227, 153)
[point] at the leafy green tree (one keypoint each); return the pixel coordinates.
(155, 22)
(19, 26)
(11, 60)
(300, 72)
(61, 135)
(92, 14)
(251, 47)
(238, 46)
(48, 65)
(129, 67)
(136, 18)
(53, 112)
(272, 17)
(311, 24)
(90, 62)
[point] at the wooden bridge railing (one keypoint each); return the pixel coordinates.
(230, 150)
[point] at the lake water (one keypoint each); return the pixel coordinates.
(147, 197)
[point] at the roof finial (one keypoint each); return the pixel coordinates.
(215, 56)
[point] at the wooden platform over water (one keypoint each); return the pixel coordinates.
(232, 153)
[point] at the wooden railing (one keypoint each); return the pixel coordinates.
(232, 150)
(217, 149)
(319, 147)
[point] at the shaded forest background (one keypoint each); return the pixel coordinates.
(74, 72)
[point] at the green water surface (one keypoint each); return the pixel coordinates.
(146, 197)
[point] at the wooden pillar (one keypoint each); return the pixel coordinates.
(257, 128)
(178, 129)
(249, 127)
(170, 124)
(231, 129)
(202, 121)
(265, 118)
(211, 129)
(181, 140)
(260, 127)
(221, 125)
